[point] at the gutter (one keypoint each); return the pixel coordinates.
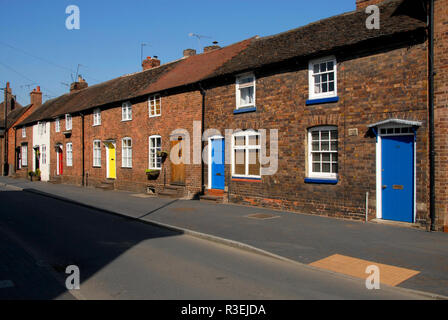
(204, 94)
(431, 73)
(83, 149)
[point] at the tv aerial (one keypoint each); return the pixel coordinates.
(199, 37)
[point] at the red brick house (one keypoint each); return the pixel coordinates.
(16, 114)
(351, 108)
(108, 135)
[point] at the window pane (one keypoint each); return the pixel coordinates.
(316, 68)
(247, 95)
(315, 146)
(326, 157)
(246, 80)
(331, 76)
(331, 86)
(254, 140)
(330, 65)
(316, 157)
(254, 162)
(324, 77)
(316, 167)
(334, 146)
(325, 146)
(315, 135)
(325, 135)
(334, 168)
(324, 87)
(240, 141)
(323, 67)
(317, 79)
(326, 168)
(240, 162)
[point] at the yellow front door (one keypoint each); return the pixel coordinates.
(111, 174)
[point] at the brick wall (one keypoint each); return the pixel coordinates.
(441, 109)
(390, 84)
(179, 110)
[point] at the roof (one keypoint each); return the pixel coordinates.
(397, 16)
(15, 114)
(11, 115)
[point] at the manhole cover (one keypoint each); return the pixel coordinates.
(262, 216)
(181, 209)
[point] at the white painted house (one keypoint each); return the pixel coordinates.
(41, 149)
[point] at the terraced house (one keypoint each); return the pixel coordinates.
(359, 112)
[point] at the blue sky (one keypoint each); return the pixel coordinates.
(111, 32)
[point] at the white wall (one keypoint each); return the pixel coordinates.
(40, 140)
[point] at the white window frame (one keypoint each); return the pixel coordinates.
(247, 147)
(57, 125)
(97, 154)
(24, 150)
(311, 74)
(126, 111)
(97, 117)
(23, 132)
(43, 152)
(152, 105)
(69, 154)
(68, 122)
(41, 128)
(126, 153)
(322, 175)
(239, 86)
(153, 153)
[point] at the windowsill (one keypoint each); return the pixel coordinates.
(155, 116)
(126, 167)
(96, 125)
(246, 179)
(126, 120)
(322, 180)
(96, 167)
(321, 100)
(244, 110)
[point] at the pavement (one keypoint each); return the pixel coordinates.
(412, 258)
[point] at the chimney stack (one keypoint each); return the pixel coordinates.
(189, 53)
(36, 97)
(10, 99)
(361, 4)
(150, 63)
(213, 47)
(79, 85)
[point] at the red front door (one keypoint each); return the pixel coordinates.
(60, 161)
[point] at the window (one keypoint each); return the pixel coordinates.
(43, 151)
(323, 152)
(246, 154)
(97, 117)
(41, 128)
(69, 150)
(126, 158)
(155, 106)
(68, 122)
(57, 125)
(126, 111)
(323, 78)
(23, 132)
(245, 91)
(155, 145)
(24, 155)
(97, 153)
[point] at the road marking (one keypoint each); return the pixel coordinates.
(354, 267)
(6, 284)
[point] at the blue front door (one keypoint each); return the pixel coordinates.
(398, 178)
(217, 165)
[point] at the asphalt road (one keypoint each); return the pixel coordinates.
(121, 258)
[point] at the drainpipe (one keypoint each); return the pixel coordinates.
(203, 93)
(83, 149)
(432, 194)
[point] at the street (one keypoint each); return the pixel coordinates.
(121, 258)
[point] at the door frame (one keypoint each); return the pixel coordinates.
(379, 160)
(107, 144)
(215, 137)
(59, 151)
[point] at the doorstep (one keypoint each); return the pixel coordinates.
(397, 223)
